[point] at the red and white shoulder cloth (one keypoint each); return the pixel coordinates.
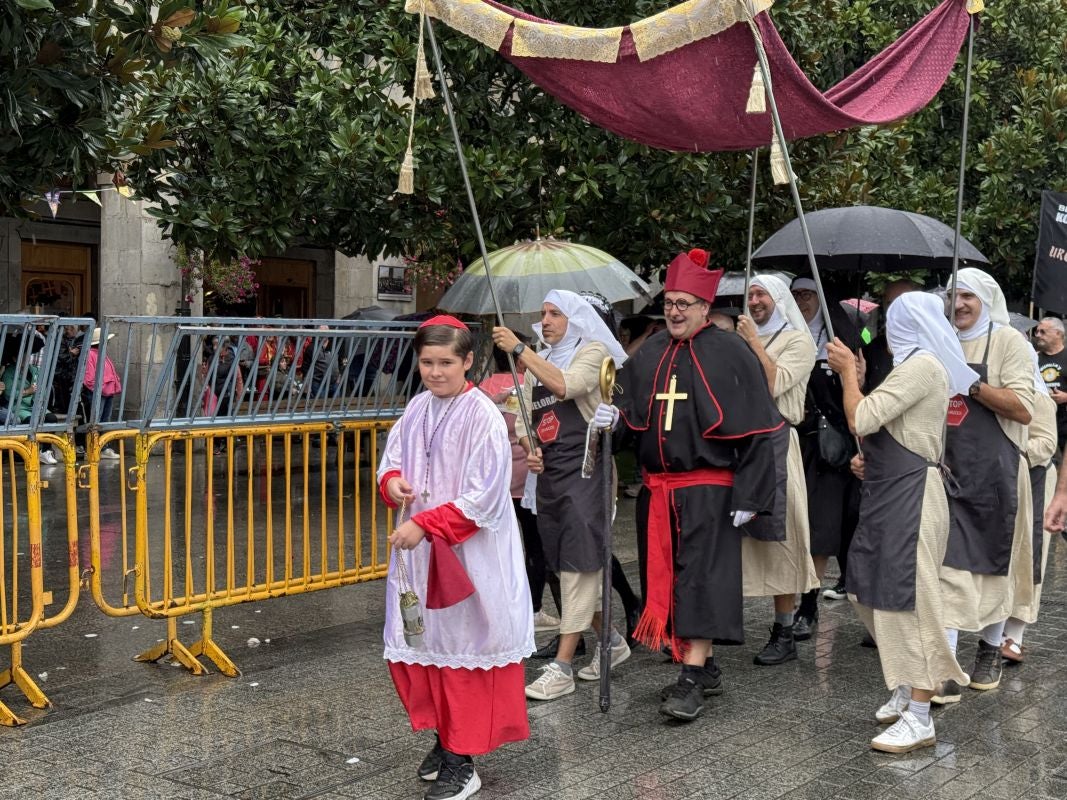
(466, 679)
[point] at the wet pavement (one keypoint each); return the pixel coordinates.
(314, 714)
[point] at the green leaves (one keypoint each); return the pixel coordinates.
(68, 77)
(284, 123)
(35, 5)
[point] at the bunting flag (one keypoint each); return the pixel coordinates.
(52, 198)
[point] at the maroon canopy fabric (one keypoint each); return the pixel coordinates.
(693, 98)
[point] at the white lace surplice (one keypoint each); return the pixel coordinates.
(470, 466)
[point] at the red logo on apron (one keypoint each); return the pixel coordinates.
(957, 411)
(548, 428)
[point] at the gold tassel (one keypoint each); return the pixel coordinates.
(407, 174)
(757, 93)
(975, 6)
(779, 172)
(423, 79)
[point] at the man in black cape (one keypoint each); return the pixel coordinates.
(699, 398)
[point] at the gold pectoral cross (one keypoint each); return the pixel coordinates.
(670, 396)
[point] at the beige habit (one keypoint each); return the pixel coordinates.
(973, 601)
(1040, 449)
(777, 568)
(911, 405)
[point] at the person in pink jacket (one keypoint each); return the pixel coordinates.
(111, 385)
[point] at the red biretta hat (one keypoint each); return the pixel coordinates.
(689, 273)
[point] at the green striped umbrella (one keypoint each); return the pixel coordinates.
(525, 272)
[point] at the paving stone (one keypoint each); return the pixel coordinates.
(323, 698)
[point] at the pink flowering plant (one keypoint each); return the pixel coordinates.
(431, 275)
(233, 280)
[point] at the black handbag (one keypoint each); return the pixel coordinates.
(835, 447)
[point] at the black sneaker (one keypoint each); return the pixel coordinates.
(550, 649)
(946, 693)
(456, 780)
(710, 679)
(686, 698)
(868, 641)
(988, 666)
(804, 626)
(430, 765)
(779, 649)
(836, 593)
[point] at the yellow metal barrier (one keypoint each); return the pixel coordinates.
(227, 517)
(65, 446)
(20, 558)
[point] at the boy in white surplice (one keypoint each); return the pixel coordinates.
(448, 462)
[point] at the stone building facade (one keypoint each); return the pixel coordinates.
(110, 259)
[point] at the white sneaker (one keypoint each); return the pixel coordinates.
(591, 671)
(552, 684)
(905, 735)
(48, 457)
(108, 453)
(890, 712)
(543, 621)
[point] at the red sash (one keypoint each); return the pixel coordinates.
(659, 605)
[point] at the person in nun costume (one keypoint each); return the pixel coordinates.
(893, 577)
(1041, 442)
(833, 491)
(775, 553)
(984, 575)
(562, 389)
(447, 466)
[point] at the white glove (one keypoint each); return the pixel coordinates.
(605, 416)
(743, 517)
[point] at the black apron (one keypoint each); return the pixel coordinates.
(771, 527)
(570, 508)
(985, 465)
(1037, 490)
(882, 556)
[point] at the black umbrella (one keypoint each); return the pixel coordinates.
(868, 239)
(376, 313)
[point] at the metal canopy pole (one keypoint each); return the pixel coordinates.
(447, 95)
(963, 166)
(766, 72)
(751, 226)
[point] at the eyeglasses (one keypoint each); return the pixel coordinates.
(681, 305)
(803, 294)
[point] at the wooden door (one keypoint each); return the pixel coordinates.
(57, 278)
(286, 288)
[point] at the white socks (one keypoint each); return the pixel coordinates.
(920, 710)
(953, 636)
(994, 634)
(1014, 630)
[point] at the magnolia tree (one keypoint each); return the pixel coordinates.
(67, 67)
